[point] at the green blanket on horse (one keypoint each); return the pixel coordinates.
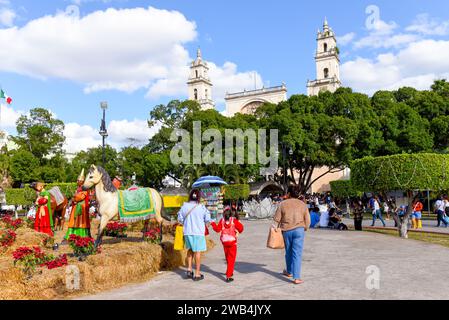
(135, 205)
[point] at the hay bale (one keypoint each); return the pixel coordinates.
(121, 262)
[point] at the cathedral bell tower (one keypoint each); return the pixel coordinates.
(200, 86)
(327, 63)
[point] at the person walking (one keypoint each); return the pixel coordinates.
(194, 216)
(440, 207)
(228, 226)
(377, 213)
(293, 219)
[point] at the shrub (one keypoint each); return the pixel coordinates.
(116, 229)
(423, 171)
(152, 235)
(82, 246)
(344, 189)
(11, 223)
(7, 238)
(29, 258)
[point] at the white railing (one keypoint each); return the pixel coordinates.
(255, 92)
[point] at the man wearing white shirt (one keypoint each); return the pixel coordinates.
(440, 209)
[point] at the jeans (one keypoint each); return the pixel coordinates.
(294, 241)
(378, 214)
(440, 215)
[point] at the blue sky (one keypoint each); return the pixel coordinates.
(68, 71)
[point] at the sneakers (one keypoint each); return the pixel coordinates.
(229, 280)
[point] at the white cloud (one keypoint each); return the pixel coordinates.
(346, 39)
(80, 137)
(417, 65)
(103, 53)
(99, 50)
(7, 17)
(382, 35)
(121, 133)
(426, 25)
(9, 116)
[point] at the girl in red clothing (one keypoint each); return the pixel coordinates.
(228, 226)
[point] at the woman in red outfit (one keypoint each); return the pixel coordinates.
(228, 227)
(42, 222)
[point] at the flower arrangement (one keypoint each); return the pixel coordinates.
(7, 238)
(30, 258)
(82, 246)
(57, 262)
(152, 235)
(11, 223)
(116, 229)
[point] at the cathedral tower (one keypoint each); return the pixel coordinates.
(200, 86)
(327, 63)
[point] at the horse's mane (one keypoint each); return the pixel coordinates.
(106, 179)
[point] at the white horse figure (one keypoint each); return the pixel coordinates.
(107, 198)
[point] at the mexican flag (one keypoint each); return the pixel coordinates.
(7, 98)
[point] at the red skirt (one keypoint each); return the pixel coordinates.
(42, 222)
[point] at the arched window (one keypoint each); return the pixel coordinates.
(206, 94)
(326, 73)
(325, 47)
(195, 94)
(196, 73)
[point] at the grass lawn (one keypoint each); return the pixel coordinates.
(441, 239)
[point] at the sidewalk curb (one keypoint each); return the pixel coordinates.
(396, 229)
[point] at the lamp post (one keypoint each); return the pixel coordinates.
(103, 130)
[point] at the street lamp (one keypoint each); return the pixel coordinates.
(103, 131)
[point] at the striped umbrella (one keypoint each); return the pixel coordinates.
(208, 180)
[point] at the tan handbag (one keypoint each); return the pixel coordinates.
(275, 238)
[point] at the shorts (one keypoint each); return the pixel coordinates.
(195, 243)
(416, 215)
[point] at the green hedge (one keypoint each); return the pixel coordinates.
(344, 189)
(236, 191)
(423, 171)
(26, 196)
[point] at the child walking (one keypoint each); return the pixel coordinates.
(228, 226)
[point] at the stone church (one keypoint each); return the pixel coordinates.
(327, 63)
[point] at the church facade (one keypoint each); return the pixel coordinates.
(327, 63)
(247, 102)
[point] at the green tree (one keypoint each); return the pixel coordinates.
(39, 133)
(408, 172)
(131, 160)
(23, 167)
(84, 159)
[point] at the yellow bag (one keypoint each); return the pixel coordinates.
(179, 233)
(179, 238)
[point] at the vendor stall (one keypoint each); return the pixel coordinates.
(211, 194)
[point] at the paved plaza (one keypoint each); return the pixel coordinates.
(334, 267)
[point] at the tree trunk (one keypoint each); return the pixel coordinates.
(403, 225)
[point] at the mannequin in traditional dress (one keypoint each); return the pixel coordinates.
(79, 221)
(117, 182)
(44, 215)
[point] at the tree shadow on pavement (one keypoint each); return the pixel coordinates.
(248, 267)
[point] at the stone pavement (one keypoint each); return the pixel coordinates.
(334, 267)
